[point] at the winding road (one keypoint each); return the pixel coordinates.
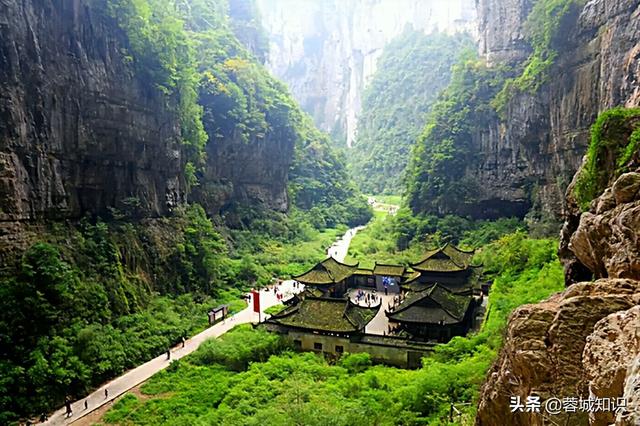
(134, 377)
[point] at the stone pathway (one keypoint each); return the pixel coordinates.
(143, 372)
(340, 248)
(380, 323)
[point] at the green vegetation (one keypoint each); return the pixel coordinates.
(275, 309)
(202, 54)
(413, 69)
(237, 349)
(89, 302)
(436, 181)
(395, 200)
(543, 30)
(242, 101)
(404, 238)
(289, 388)
(164, 56)
(81, 307)
(615, 139)
(247, 27)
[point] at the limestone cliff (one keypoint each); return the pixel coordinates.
(326, 50)
(530, 156)
(83, 132)
(79, 131)
(583, 342)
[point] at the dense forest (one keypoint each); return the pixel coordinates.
(92, 298)
(412, 71)
(152, 168)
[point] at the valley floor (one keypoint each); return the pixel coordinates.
(138, 375)
(247, 377)
(142, 373)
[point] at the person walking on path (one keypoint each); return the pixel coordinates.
(106, 393)
(168, 354)
(86, 404)
(183, 341)
(67, 404)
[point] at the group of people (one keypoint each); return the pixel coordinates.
(392, 305)
(278, 295)
(369, 298)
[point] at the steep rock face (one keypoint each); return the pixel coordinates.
(253, 172)
(79, 132)
(501, 30)
(611, 361)
(582, 342)
(326, 50)
(531, 155)
(544, 352)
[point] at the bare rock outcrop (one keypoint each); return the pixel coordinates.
(607, 240)
(611, 359)
(543, 351)
(584, 342)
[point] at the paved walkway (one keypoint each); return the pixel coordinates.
(340, 248)
(143, 372)
(380, 323)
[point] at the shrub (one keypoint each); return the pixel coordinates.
(615, 138)
(239, 347)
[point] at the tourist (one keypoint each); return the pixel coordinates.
(86, 404)
(106, 393)
(168, 354)
(183, 341)
(67, 404)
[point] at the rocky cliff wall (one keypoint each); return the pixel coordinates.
(326, 50)
(584, 342)
(530, 156)
(79, 131)
(247, 172)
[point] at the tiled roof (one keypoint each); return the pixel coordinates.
(363, 271)
(448, 258)
(326, 314)
(450, 307)
(329, 271)
(388, 270)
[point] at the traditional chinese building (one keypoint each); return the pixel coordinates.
(448, 266)
(334, 326)
(328, 276)
(438, 299)
(324, 315)
(435, 313)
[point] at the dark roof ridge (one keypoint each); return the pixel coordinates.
(390, 264)
(286, 312)
(423, 293)
(455, 247)
(355, 265)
